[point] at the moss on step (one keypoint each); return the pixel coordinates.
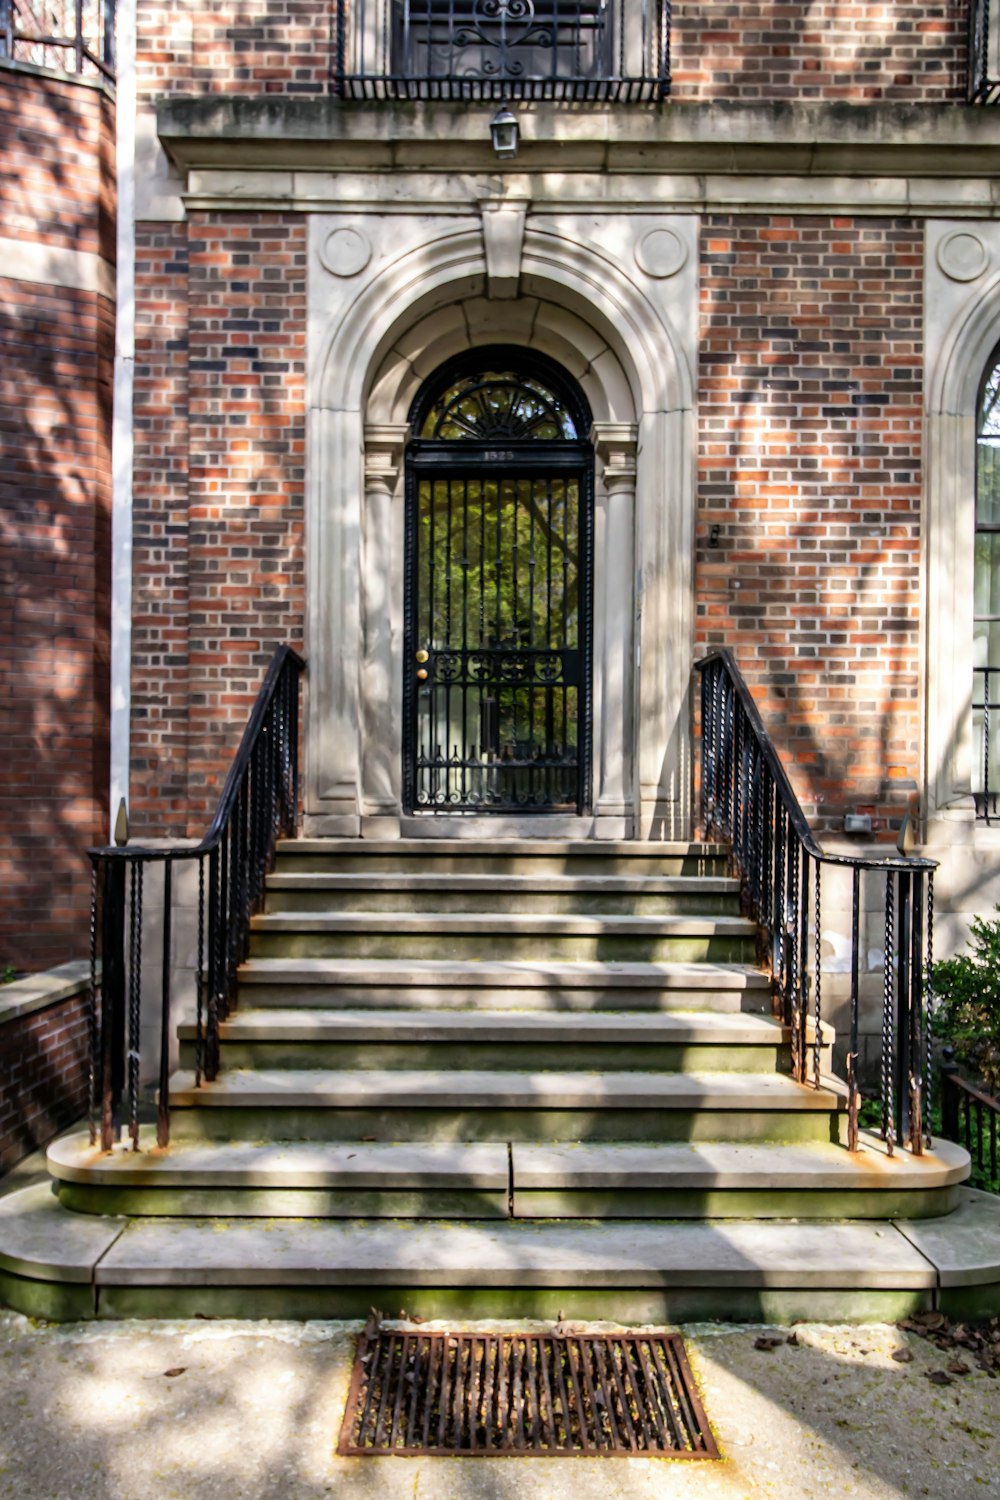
(506, 1055)
(319, 1123)
(633, 1305)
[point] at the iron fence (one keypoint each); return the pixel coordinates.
(578, 50)
(259, 801)
(986, 751)
(748, 801)
(971, 1118)
(74, 36)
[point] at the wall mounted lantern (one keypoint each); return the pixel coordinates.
(504, 133)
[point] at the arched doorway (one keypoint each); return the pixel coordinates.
(498, 567)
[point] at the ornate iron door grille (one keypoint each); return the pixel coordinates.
(498, 642)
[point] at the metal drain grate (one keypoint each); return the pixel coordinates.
(524, 1393)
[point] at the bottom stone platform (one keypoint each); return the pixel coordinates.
(58, 1264)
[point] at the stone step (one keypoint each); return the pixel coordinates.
(290, 1179)
(722, 1179)
(572, 895)
(494, 1180)
(354, 1039)
(458, 1104)
(62, 1265)
(501, 856)
(525, 936)
(541, 985)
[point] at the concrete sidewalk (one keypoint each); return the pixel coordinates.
(252, 1411)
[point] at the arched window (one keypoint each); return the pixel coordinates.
(986, 605)
(499, 400)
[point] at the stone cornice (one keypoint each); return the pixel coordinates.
(799, 139)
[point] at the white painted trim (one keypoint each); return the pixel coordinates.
(56, 265)
(122, 436)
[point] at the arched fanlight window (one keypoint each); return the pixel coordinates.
(491, 397)
(986, 606)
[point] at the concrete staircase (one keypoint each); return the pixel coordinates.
(499, 1078)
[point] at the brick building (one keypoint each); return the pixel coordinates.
(508, 357)
(57, 310)
(761, 249)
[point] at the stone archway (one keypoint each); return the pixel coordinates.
(373, 342)
(962, 333)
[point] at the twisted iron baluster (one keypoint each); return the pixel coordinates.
(929, 1011)
(915, 1025)
(134, 998)
(736, 817)
(779, 896)
(853, 1096)
(818, 946)
(798, 1040)
(93, 1034)
(215, 966)
(888, 1059)
(199, 1037)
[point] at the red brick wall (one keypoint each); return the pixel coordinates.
(262, 48)
(227, 484)
(723, 49)
(57, 158)
(56, 376)
(809, 465)
(43, 1077)
(160, 676)
(853, 50)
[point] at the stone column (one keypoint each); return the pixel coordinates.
(615, 446)
(382, 621)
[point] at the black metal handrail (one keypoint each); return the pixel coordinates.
(970, 1117)
(259, 800)
(88, 36)
(747, 801)
(613, 51)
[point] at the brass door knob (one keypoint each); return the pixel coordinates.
(422, 656)
(422, 675)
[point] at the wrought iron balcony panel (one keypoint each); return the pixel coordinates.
(577, 50)
(984, 52)
(71, 36)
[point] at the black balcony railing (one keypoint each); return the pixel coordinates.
(583, 50)
(73, 36)
(984, 52)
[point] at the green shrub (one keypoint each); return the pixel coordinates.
(967, 1003)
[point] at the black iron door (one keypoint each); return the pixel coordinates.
(498, 600)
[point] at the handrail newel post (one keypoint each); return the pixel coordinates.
(163, 1098)
(112, 1030)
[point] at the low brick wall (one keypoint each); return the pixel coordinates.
(43, 1059)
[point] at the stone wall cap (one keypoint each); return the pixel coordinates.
(37, 991)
